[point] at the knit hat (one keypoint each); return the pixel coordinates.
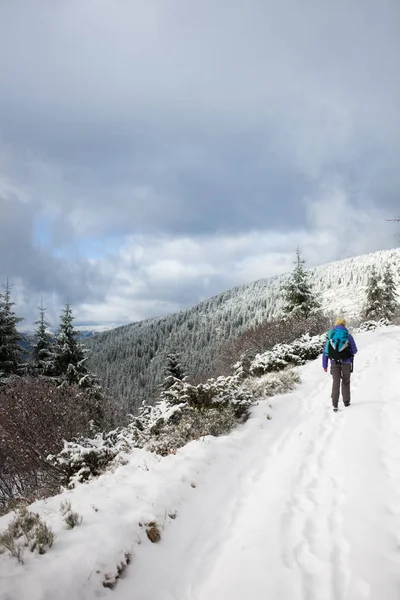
(340, 321)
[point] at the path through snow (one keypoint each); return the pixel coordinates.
(304, 508)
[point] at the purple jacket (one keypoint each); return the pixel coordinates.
(353, 347)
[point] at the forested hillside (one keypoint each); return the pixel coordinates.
(130, 359)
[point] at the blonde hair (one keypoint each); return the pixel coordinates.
(340, 321)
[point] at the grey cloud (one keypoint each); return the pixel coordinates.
(233, 191)
(200, 118)
(22, 259)
(130, 84)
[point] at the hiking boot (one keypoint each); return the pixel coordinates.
(335, 409)
(348, 404)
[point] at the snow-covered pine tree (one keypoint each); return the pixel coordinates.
(172, 387)
(241, 369)
(43, 356)
(70, 355)
(375, 296)
(389, 294)
(298, 295)
(71, 367)
(10, 348)
(172, 371)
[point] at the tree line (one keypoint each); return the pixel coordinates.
(60, 357)
(381, 298)
(47, 395)
(129, 360)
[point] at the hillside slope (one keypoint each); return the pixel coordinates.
(130, 359)
(301, 507)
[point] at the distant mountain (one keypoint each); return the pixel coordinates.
(87, 330)
(28, 338)
(130, 359)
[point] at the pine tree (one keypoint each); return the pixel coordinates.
(10, 348)
(70, 355)
(297, 292)
(173, 386)
(173, 371)
(241, 369)
(375, 296)
(389, 294)
(43, 357)
(71, 367)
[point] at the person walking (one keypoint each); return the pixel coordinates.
(339, 349)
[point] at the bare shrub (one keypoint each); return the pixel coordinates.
(35, 418)
(268, 334)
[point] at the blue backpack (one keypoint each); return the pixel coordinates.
(337, 345)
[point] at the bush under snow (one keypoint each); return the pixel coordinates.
(285, 355)
(272, 384)
(371, 325)
(187, 412)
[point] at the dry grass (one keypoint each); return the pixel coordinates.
(8, 542)
(71, 517)
(26, 530)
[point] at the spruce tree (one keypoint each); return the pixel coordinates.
(70, 355)
(173, 371)
(10, 348)
(43, 357)
(298, 295)
(375, 295)
(172, 388)
(389, 294)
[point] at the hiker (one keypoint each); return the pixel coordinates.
(340, 348)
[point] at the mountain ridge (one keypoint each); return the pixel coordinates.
(129, 359)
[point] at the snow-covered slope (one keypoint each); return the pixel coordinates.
(342, 284)
(305, 506)
(135, 354)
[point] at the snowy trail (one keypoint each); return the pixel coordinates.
(305, 508)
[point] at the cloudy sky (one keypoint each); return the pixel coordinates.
(156, 152)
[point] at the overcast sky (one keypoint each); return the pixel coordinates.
(156, 152)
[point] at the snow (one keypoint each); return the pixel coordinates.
(305, 506)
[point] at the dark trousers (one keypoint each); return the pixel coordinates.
(340, 373)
